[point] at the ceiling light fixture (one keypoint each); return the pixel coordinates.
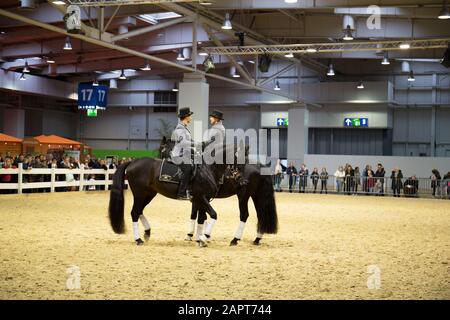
(360, 85)
(227, 23)
(180, 56)
(67, 45)
(147, 67)
(330, 72)
(175, 87)
(277, 86)
(445, 13)
(348, 34)
(411, 76)
(50, 58)
(26, 68)
(404, 45)
(122, 76)
(289, 55)
(22, 77)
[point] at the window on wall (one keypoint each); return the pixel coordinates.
(165, 109)
(165, 97)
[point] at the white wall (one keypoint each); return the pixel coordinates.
(419, 166)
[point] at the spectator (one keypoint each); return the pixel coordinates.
(315, 178)
(339, 175)
(303, 177)
(7, 178)
(446, 184)
(323, 180)
(380, 173)
(278, 175)
(348, 182)
(411, 187)
(356, 179)
(291, 172)
(436, 181)
(396, 181)
(370, 181)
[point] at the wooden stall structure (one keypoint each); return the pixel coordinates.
(54, 144)
(10, 144)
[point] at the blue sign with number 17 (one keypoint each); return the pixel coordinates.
(92, 97)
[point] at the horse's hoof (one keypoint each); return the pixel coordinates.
(208, 237)
(234, 242)
(256, 242)
(188, 237)
(202, 244)
(139, 242)
(147, 234)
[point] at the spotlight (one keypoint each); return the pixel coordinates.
(26, 68)
(241, 35)
(227, 23)
(175, 87)
(404, 45)
(444, 14)
(209, 64)
(446, 58)
(205, 3)
(277, 86)
(330, 72)
(22, 77)
(95, 83)
(290, 1)
(360, 85)
(411, 77)
(233, 72)
(289, 55)
(311, 50)
(122, 76)
(264, 63)
(147, 67)
(203, 53)
(251, 61)
(67, 45)
(58, 2)
(348, 34)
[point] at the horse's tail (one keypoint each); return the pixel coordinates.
(116, 200)
(266, 208)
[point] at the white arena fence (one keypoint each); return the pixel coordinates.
(82, 184)
(366, 185)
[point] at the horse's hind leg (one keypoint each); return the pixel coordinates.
(136, 213)
(147, 229)
(243, 210)
(201, 221)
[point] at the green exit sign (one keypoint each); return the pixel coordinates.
(92, 112)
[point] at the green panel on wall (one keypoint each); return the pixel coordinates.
(102, 153)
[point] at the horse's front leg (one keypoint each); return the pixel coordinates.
(190, 233)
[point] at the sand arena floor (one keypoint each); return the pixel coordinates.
(323, 250)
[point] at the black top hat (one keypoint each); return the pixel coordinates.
(217, 114)
(184, 112)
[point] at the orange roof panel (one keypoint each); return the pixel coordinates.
(53, 139)
(7, 138)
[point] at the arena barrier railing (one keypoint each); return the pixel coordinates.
(420, 187)
(57, 178)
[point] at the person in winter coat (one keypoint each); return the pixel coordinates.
(315, 178)
(323, 180)
(396, 181)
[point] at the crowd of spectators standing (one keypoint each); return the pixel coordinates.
(352, 180)
(50, 160)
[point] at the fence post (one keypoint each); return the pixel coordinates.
(106, 179)
(81, 177)
(52, 180)
(20, 179)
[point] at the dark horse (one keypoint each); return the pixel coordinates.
(258, 187)
(143, 179)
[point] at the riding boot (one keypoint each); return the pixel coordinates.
(183, 190)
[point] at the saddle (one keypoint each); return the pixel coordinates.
(170, 172)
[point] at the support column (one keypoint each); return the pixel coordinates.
(194, 94)
(14, 122)
(297, 134)
(435, 84)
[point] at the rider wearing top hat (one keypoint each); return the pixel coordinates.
(216, 134)
(182, 151)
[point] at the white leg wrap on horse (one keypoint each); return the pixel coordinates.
(199, 231)
(210, 226)
(240, 230)
(144, 222)
(259, 235)
(191, 227)
(136, 230)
